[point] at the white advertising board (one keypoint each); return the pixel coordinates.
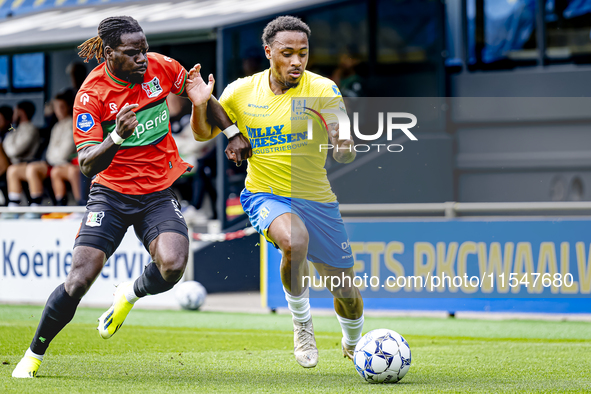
(36, 256)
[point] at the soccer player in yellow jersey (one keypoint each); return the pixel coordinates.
(287, 196)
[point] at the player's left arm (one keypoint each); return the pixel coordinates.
(343, 151)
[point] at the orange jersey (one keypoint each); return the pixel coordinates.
(148, 161)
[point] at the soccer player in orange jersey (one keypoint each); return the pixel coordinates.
(122, 134)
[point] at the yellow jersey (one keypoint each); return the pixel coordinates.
(285, 161)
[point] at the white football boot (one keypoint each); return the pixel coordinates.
(113, 318)
(27, 367)
(304, 344)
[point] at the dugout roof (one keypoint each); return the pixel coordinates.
(51, 24)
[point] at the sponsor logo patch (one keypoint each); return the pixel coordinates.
(94, 219)
(345, 245)
(152, 88)
(84, 122)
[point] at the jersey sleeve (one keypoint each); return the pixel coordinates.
(176, 74)
(228, 103)
(332, 99)
(87, 120)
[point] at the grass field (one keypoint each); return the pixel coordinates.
(179, 351)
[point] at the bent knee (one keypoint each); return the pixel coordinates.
(78, 286)
(345, 293)
(295, 247)
(172, 266)
(13, 171)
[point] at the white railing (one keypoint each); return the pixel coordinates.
(453, 209)
(447, 209)
(43, 209)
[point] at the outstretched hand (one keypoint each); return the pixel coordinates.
(197, 90)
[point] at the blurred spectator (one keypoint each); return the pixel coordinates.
(346, 77)
(204, 183)
(20, 145)
(180, 112)
(60, 153)
(77, 72)
(5, 120)
(252, 61)
(57, 163)
(5, 125)
(194, 185)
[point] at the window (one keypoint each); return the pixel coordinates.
(409, 31)
(568, 24)
(338, 31)
(244, 51)
(509, 32)
(3, 72)
(28, 71)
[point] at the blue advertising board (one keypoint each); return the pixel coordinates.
(525, 265)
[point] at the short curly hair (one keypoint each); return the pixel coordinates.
(284, 23)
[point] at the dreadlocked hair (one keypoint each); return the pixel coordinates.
(109, 35)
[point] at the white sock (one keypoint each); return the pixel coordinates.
(130, 295)
(14, 199)
(29, 353)
(351, 329)
(299, 306)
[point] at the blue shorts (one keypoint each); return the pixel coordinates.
(329, 243)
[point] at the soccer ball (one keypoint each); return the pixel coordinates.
(382, 356)
(190, 295)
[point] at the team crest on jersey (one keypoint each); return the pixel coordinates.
(94, 219)
(298, 106)
(84, 122)
(152, 88)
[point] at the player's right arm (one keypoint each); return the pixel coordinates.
(209, 117)
(94, 158)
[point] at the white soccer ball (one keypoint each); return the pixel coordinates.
(190, 294)
(382, 356)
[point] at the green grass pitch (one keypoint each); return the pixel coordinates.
(181, 351)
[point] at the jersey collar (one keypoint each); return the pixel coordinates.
(118, 81)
